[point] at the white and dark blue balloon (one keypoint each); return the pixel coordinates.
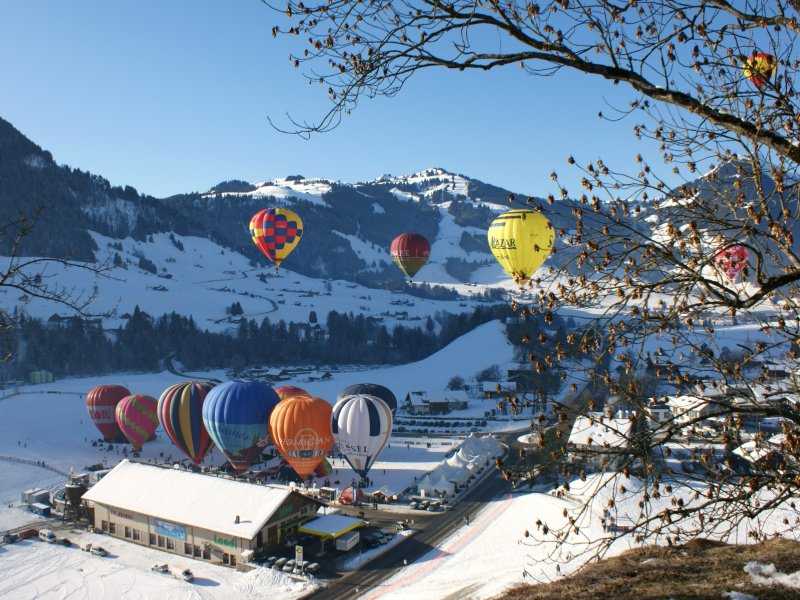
(371, 389)
(361, 426)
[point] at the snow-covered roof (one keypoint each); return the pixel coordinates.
(590, 431)
(505, 386)
(331, 525)
(683, 404)
(456, 396)
(188, 498)
(754, 452)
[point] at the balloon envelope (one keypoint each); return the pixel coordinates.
(137, 417)
(290, 391)
(361, 426)
(521, 240)
(180, 410)
(760, 68)
(236, 416)
(101, 401)
(371, 389)
(276, 232)
(732, 260)
(323, 469)
(300, 428)
(410, 251)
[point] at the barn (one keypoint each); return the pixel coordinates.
(206, 517)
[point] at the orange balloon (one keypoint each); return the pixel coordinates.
(300, 428)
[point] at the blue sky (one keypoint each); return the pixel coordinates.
(174, 96)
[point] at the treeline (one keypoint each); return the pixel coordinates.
(75, 347)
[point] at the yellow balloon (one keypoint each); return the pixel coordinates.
(521, 240)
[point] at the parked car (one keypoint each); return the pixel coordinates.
(182, 573)
(289, 566)
(98, 551)
(370, 542)
(413, 505)
(271, 561)
(64, 542)
(9, 538)
(278, 564)
(313, 568)
(160, 568)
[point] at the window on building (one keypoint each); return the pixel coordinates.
(137, 536)
(112, 528)
(170, 544)
(197, 551)
(225, 560)
(152, 539)
(187, 549)
(104, 525)
(128, 533)
(206, 554)
(161, 541)
(233, 560)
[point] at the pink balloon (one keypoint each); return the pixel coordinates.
(731, 260)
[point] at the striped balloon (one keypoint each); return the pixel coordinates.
(361, 426)
(137, 417)
(180, 410)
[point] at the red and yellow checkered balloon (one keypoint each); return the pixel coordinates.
(276, 232)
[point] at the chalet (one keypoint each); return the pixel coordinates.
(691, 408)
(598, 442)
(416, 403)
(489, 388)
(454, 400)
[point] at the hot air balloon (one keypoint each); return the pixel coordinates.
(371, 389)
(521, 240)
(410, 251)
(361, 426)
(137, 417)
(276, 232)
(290, 391)
(323, 469)
(236, 415)
(300, 428)
(180, 410)
(101, 401)
(760, 68)
(731, 260)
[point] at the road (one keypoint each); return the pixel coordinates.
(432, 530)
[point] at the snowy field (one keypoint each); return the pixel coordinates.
(49, 424)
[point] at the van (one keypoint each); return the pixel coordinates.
(47, 535)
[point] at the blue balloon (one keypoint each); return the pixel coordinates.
(371, 389)
(236, 415)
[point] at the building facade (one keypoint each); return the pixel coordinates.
(195, 515)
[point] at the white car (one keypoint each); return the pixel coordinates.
(182, 573)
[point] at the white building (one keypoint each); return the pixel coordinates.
(690, 408)
(599, 442)
(202, 516)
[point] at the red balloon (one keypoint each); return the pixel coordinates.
(732, 260)
(101, 401)
(289, 391)
(137, 417)
(410, 251)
